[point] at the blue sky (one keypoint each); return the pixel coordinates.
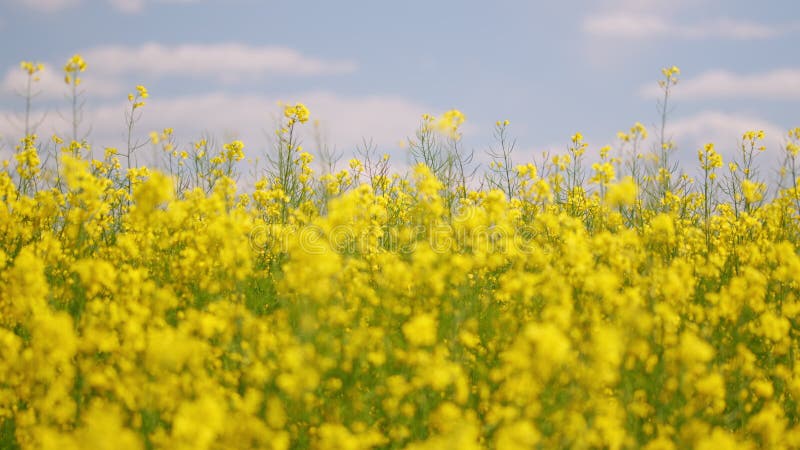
(370, 69)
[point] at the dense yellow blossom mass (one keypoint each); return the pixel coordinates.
(147, 309)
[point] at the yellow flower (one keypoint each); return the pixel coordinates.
(296, 113)
(74, 65)
(639, 130)
(233, 150)
(356, 165)
(421, 330)
(752, 191)
(31, 68)
(671, 74)
(709, 158)
(604, 173)
(450, 122)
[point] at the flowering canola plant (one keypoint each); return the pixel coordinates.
(377, 317)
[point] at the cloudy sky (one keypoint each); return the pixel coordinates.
(369, 69)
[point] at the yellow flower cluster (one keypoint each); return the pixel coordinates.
(604, 173)
(389, 323)
(793, 144)
(578, 147)
(233, 151)
(72, 68)
(637, 132)
(670, 76)
(146, 310)
(296, 113)
(623, 193)
(137, 99)
(709, 158)
(752, 138)
(450, 122)
(27, 156)
(31, 68)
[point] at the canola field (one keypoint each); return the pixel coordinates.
(621, 304)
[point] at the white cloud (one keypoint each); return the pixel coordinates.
(222, 61)
(48, 6)
(652, 5)
(128, 6)
(718, 125)
(780, 84)
(137, 6)
(625, 25)
(647, 25)
(124, 6)
(727, 28)
(113, 69)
